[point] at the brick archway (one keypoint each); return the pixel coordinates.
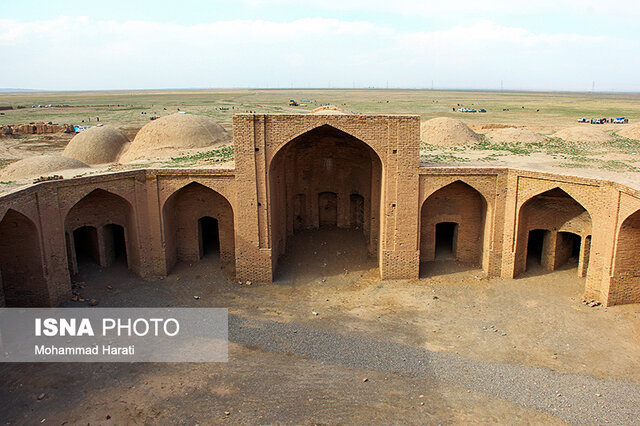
(555, 215)
(463, 206)
(625, 283)
(110, 216)
(322, 161)
(184, 213)
(22, 279)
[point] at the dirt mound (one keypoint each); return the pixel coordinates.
(489, 126)
(446, 131)
(586, 133)
(40, 166)
(97, 145)
(631, 131)
(328, 110)
(175, 133)
(514, 135)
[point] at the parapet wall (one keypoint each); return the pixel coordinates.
(497, 218)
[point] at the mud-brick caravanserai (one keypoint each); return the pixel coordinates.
(305, 171)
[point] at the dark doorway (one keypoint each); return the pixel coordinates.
(85, 241)
(328, 209)
(357, 211)
(567, 249)
(209, 237)
(115, 244)
(535, 246)
(446, 236)
(299, 210)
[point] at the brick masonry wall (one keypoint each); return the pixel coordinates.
(461, 204)
(181, 213)
(404, 187)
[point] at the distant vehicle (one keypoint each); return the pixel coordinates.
(483, 110)
(78, 129)
(598, 120)
(583, 120)
(293, 103)
(620, 120)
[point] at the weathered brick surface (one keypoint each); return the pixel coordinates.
(283, 163)
(461, 204)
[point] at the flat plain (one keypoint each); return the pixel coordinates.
(450, 347)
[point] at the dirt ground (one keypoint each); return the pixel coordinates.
(536, 325)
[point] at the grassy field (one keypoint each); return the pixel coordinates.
(125, 107)
(542, 112)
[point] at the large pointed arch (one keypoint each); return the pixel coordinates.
(185, 213)
(108, 221)
(324, 169)
(454, 218)
(625, 282)
(23, 279)
(554, 226)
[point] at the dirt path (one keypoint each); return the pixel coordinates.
(433, 337)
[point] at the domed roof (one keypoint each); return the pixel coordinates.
(169, 135)
(328, 110)
(97, 145)
(446, 131)
(40, 166)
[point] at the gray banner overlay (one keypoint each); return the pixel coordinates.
(113, 335)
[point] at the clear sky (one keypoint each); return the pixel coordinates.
(476, 44)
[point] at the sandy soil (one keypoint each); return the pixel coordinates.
(452, 311)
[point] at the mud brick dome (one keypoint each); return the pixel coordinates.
(97, 145)
(174, 133)
(301, 172)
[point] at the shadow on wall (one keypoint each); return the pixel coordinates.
(198, 222)
(23, 282)
(100, 229)
(554, 230)
(452, 227)
(324, 178)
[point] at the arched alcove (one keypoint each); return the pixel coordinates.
(452, 225)
(198, 221)
(325, 178)
(21, 262)
(553, 230)
(101, 229)
(625, 283)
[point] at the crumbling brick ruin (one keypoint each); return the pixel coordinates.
(297, 172)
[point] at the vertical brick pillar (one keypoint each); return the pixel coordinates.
(399, 252)
(511, 266)
(603, 243)
(152, 230)
(53, 247)
(253, 247)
